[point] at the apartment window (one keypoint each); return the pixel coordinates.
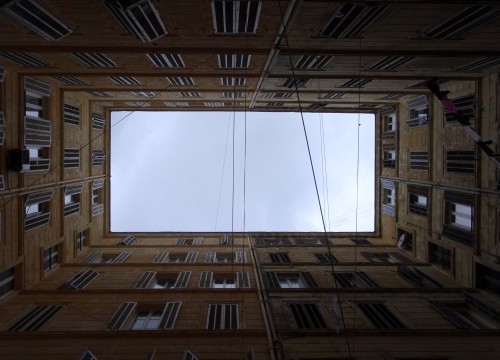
(352, 20)
(221, 258)
(235, 61)
(154, 280)
(417, 200)
(279, 257)
(23, 59)
(390, 62)
(97, 201)
(487, 279)
(37, 209)
(440, 256)
(181, 80)
(355, 83)
(307, 316)
(225, 240)
(80, 280)
(313, 62)
(69, 80)
(213, 104)
(460, 161)
(98, 157)
(81, 240)
(417, 278)
(464, 316)
(143, 316)
(361, 242)
(312, 242)
(278, 95)
(36, 318)
(479, 65)
(194, 241)
(138, 104)
(235, 17)
(72, 199)
(388, 197)
(380, 316)
(140, 18)
(95, 59)
(389, 155)
(88, 355)
(290, 280)
(7, 281)
(166, 60)
(233, 81)
(222, 317)
(98, 121)
(465, 106)
(333, 95)
(50, 257)
(241, 279)
(37, 19)
(124, 80)
(98, 93)
(71, 114)
(234, 94)
(419, 160)
(165, 257)
(71, 158)
(294, 83)
(357, 279)
(389, 124)
(459, 217)
(129, 240)
(100, 258)
(385, 258)
(419, 111)
(326, 258)
(190, 94)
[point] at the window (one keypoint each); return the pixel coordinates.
(221, 258)
(419, 111)
(125, 80)
(222, 317)
(72, 199)
(71, 158)
(479, 65)
(165, 257)
(388, 122)
(487, 279)
(417, 278)
(234, 94)
(313, 62)
(380, 316)
(465, 105)
(98, 121)
(385, 258)
(138, 104)
(357, 279)
(236, 17)
(37, 19)
(459, 217)
(290, 280)
(181, 80)
(69, 80)
(100, 258)
(326, 258)
(154, 280)
(148, 94)
(87, 355)
(7, 281)
(440, 257)
(278, 95)
(23, 59)
(129, 240)
(236, 61)
(36, 318)
(137, 316)
(233, 81)
(37, 209)
(419, 160)
(361, 242)
(213, 104)
(98, 157)
(71, 114)
(388, 197)
(333, 95)
(460, 161)
(194, 241)
(188, 355)
(390, 62)
(50, 257)
(241, 279)
(80, 280)
(97, 201)
(279, 257)
(95, 60)
(81, 240)
(140, 18)
(189, 94)
(98, 93)
(355, 83)
(389, 155)
(352, 20)
(312, 242)
(166, 60)
(417, 200)
(294, 83)
(464, 316)
(307, 316)
(463, 22)
(225, 240)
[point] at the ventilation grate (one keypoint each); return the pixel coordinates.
(351, 20)
(233, 17)
(23, 59)
(391, 62)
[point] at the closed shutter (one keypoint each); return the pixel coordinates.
(121, 257)
(37, 132)
(36, 318)
(272, 280)
(182, 279)
(35, 87)
(206, 279)
(191, 257)
(145, 279)
(170, 314)
(92, 258)
(121, 315)
(242, 279)
(161, 257)
(98, 121)
(210, 257)
(310, 281)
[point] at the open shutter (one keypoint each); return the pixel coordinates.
(272, 280)
(170, 314)
(210, 257)
(206, 279)
(191, 257)
(121, 315)
(182, 279)
(145, 279)
(39, 197)
(242, 279)
(309, 279)
(161, 257)
(37, 132)
(121, 257)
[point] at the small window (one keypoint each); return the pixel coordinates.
(129, 240)
(69, 80)
(465, 105)
(357, 279)
(98, 121)
(236, 17)
(23, 59)
(71, 204)
(225, 240)
(307, 316)
(98, 157)
(125, 80)
(326, 258)
(50, 257)
(36, 318)
(459, 217)
(71, 114)
(290, 280)
(233, 81)
(80, 280)
(464, 316)
(355, 83)
(294, 83)
(95, 60)
(440, 257)
(389, 155)
(417, 200)
(222, 317)
(181, 80)
(7, 281)
(380, 316)
(224, 281)
(487, 279)
(166, 60)
(419, 160)
(460, 161)
(389, 197)
(37, 209)
(279, 257)
(313, 62)
(81, 240)
(419, 111)
(235, 61)
(97, 201)
(389, 123)
(100, 258)
(189, 94)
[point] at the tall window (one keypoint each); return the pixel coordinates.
(417, 200)
(80, 240)
(222, 317)
(279, 257)
(388, 197)
(7, 281)
(50, 257)
(459, 217)
(137, 316)
(37, 209)
(440, 256)
(307, 316)
(380, 316)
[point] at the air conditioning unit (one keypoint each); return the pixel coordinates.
(18, 160)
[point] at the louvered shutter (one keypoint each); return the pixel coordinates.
(180, 242)
(309, 279)
(121, 257)
(73, 189)
(272, 280)
(121, 315)
(39, 197)
(97, 184)
(210, 257)
(182, 279)
(197, 241)
(36, 87)
(92, 258)
(191, 257)
(82, 279)
(161, 257)
(170, 314)
(242, 279)
(206, 279)
(145, 279)
(241, 256)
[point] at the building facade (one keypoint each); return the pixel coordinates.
(423, 285)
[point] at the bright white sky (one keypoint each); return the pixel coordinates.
(167, 169)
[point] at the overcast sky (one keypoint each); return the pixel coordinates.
(167, 169)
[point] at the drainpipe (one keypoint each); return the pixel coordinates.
(276, 352)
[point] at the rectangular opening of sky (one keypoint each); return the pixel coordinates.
(194, 171)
